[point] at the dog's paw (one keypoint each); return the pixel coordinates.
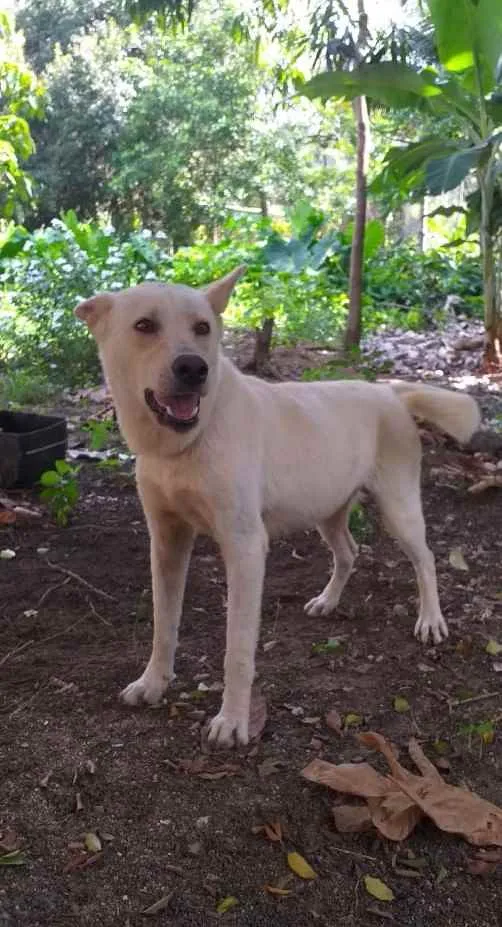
(436, 628)
(320, 605)
(228, 730)
(149, 689)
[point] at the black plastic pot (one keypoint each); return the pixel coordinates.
(29, 444)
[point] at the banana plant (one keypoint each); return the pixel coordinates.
(466, 87)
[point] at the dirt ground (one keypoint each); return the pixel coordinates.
(74, 760)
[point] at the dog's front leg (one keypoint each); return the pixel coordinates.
(171, 544)
(244, 557)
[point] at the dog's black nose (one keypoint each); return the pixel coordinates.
(190, 370)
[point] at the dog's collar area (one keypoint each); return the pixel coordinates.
(180, 411)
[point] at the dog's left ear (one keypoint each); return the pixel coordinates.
(219, 292)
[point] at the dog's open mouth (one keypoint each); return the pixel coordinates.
(180, 411)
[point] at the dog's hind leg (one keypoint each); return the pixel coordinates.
(398, 494)
(336, 533)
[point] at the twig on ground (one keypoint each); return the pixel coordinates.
(52, 589)
(101, 617)
(474, 698)
(80, 579)
(32, 698)
(45, 640)
(336, 849)
(13, 652)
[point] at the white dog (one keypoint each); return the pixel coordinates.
(239, 459)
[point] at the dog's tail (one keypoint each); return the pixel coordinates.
(456, 413)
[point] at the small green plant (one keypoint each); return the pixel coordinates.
(99, 433)
(332, 645)
(60, 490)
(359, 523)
(484, 730)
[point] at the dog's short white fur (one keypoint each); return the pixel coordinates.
(261, 459)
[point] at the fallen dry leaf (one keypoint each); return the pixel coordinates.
(300, 866)
(272, 831)
(92, 842)
(81, 860)
(350, 778)
(457, 559)
(401, 704)
(484, 862)
(378, 889)
(452, 809)
(397, 802)
(493, 648)
(275, 890)
(206, 767)
(7, 518)
(394, 815)
(229, 902)
(14, 858)
(257, 715)
(334, 721)
(488, 482)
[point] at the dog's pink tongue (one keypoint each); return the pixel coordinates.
(183, 407)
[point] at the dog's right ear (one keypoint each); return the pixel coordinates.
(92, 310)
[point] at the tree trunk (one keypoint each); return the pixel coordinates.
(354, 324)
(421, 220)
(491, 296)
(263, 341)
(263, 204)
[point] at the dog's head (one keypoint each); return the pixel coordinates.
(159, 345)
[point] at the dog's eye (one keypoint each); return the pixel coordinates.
(146, 326)
(202, 328)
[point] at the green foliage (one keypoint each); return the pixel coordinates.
(392, 83)
(22, 387)
(187, 133)
(301, 281)
(46, 274)
(332, 645)
(20, 96)
(99, 433)
(51, 24)
(468, 38)
(87, 96)
(360, 524)
(60, 490)
(484, 730)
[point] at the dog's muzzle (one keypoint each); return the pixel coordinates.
(180, 409)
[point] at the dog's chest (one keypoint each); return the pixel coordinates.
(187, 501)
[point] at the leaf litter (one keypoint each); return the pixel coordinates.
(300, 866)
(395, 803)
(378, 889)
